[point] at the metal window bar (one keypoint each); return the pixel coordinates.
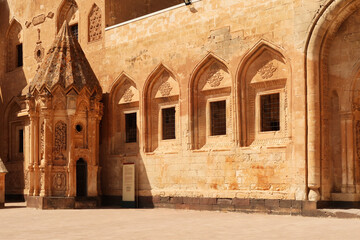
(168, 123)
(218, 118)
(270, 112)
(130, 127)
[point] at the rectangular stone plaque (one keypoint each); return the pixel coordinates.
(128, 183)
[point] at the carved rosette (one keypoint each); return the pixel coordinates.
(267, 71)
(59, 182)
(215, 76)
(165, 89)
(128, 95)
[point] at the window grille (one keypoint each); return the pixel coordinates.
(75, 31)
(168, 123)
(131, 127)
(270, 112)
(218, 118)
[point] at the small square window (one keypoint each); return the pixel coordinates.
(19, 49)
(218, 118)
(131, 127)
(168, 123)
(270, 112)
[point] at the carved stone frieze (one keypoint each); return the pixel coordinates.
(267, 71)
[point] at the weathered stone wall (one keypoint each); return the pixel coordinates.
(184, 41)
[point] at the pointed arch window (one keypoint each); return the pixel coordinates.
(14, 46)
(162, 108)
(211, 115)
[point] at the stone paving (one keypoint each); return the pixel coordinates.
(18, 222)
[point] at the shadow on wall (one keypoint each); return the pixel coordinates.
(120, 144)
(12, 82)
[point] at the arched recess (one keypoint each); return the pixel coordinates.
(211, 104)
(124, 116)
(14, 130)
(68, 11)
(323, 71)
(263, 82)
(95, 24)
(161, 110)
(14, 38)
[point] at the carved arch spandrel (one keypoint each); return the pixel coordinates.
(210, 77)
(161, 89)
(262, 68)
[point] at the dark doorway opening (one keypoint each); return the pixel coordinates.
(81, 178)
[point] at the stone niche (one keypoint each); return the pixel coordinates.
(63, 104)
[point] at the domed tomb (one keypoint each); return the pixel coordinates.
(64, 109)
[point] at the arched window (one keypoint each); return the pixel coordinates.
(68, 11)
(263, 97)
(124, 116)
(14, 46)
(211, 115)
(161, 110)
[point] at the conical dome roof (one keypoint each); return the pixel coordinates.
(65, 64)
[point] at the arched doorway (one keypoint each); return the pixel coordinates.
(81, 178)
(332, 69)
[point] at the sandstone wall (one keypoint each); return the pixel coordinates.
(184, 41)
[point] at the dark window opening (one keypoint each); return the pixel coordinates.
(21, 141)
(168, 123)
(78, 128)
(19, 49)
(75, 31)
(218, 118)
(270, 112)
(131, 127)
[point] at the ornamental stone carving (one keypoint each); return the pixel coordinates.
(42, 140)
(95, 24)
(357, 132)
(59, 182)
(128, 95)
(60, 137)
(267, 71)
(165, 89)
(215, 76)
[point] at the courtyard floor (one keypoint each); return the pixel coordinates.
(18, 222)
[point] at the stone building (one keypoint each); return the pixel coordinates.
(227, 104)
